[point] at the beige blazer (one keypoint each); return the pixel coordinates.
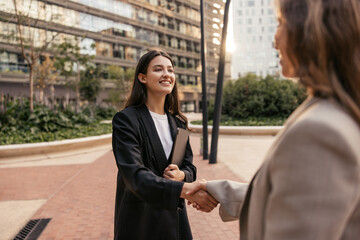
(308, 186)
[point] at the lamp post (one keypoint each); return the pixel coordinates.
(219, 88)
(203, 84)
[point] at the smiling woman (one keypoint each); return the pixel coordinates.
(150, 191)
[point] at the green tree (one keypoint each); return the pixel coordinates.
(90, 82)
(46, 75)
(28, 38)
(252, 96)
(122, 80)
(70, 61)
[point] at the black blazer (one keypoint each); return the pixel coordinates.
(147, 205)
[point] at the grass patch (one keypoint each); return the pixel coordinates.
(251, 121)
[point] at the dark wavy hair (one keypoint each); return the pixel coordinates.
(324, 46)
(138, 94)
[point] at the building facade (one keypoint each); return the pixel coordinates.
(254, 26)
(121, 31)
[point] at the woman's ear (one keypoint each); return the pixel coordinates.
(142, 78)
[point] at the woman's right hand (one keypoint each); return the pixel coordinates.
(197, 195)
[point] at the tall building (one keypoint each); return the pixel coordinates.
(254, 26)
(120, 30)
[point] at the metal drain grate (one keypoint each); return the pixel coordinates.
(32, 229)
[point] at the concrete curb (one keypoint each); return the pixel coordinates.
(17, 150)
(241, 130)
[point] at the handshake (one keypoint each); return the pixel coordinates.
(194, 192)
(198, 197)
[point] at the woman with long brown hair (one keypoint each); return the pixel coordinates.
(308, 186)
(150, 191)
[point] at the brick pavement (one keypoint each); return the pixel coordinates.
(80, 198)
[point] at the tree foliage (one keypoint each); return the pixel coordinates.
(251, 96)
(19, 125)
(90, 82)
(46, 74)
(70, 62)
(122, 80)
(31, 41)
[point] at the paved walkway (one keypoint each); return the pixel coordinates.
(78, 194)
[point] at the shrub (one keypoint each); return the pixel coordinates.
(251, 96)
(17, 125)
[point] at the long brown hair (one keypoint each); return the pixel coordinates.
(324, 46)
(138, 94)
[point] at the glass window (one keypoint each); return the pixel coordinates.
(174, 42)
(182, 45)
(113, 6)
(141, 14)
(171, 23)
(103, 49)
(175, 60)
(182, 63)
(153, 18)
(250, 3)
(153, 2)
(118, 51)
(4, 57)
(130, 53)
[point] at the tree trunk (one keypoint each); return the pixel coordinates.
(52, 96)
(77, 87)
(2, 103)
(31, 88)
(41, 90)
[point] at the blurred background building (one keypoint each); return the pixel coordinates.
(121, 31)
(254, 26)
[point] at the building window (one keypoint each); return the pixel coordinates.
(182, 45)
(175, 60)
(250, 3)
(183, 79)
(103, 49)
(182, 62)
(191, 64)
(189, 46)
(130, 53)
(174, 42)
(171, 23)
(162, 39)
(118, 51)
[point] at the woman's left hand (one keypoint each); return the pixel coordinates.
(173, 172)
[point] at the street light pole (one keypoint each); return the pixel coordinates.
(203, 84)
(219, 88)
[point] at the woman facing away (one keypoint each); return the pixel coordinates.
(308, 186)
(150, 191)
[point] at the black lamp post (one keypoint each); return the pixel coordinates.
(203, 84)
(219, 88)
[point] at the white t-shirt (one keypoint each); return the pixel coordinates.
(163, 129)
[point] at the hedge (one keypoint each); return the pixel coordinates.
(254, 97)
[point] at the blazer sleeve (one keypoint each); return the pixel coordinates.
(315, 180)
(230, 195)
(140, 180)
